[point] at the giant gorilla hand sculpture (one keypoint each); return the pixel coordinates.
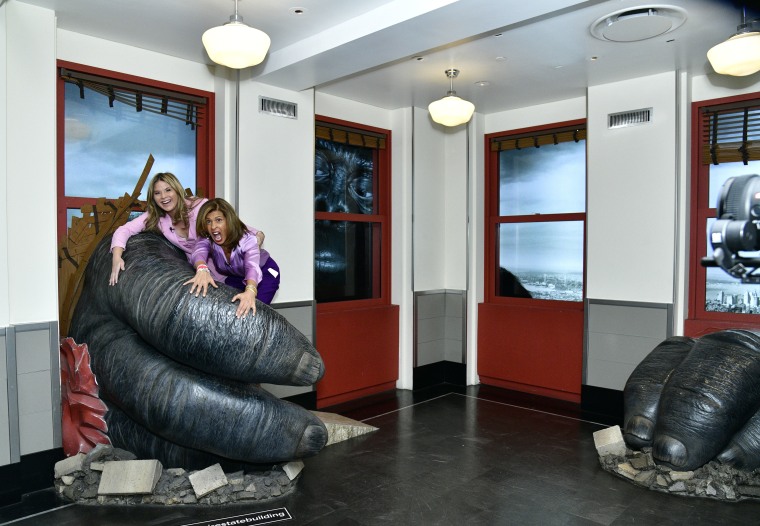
(694, 401)
(180, 373)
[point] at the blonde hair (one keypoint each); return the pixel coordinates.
(236, 229)
(155, 212)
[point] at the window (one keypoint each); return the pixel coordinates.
(726, 137)
(351, 212)
(536, 213)
(108, 125)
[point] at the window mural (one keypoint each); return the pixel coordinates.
(542, 202)
(346, 251)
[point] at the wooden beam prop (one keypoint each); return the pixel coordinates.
(97, 221)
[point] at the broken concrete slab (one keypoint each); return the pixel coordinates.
(610, 441)
(292, 469)
(207, 480)
(129, 477)
(340, 428)
(69, 465)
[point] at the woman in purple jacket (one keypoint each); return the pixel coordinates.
(169, 213)
(235, 252)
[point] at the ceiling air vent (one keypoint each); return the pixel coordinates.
(278, 108)
(638, 23)
(629, 118)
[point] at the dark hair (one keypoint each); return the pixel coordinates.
(236, 229)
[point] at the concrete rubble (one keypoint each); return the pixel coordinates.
(108, 475)
(174, 486)
(713, 480)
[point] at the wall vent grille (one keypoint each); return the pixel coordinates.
(278, 108)
(629, 118)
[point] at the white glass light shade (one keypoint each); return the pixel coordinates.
(451, 110)
(236, 45)
(738, 56)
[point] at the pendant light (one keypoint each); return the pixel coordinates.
(451, 110)
(740, 54)
(235, 44)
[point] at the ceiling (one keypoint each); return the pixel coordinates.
(393, 53)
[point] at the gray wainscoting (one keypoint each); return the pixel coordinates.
(30, 393)
(618, 336)
(439, 326)
(302, 316)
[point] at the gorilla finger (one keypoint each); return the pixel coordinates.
(708, 398)
(643, 389)
(201, 332)
(196, 410)
(743, 451)
(127, 434)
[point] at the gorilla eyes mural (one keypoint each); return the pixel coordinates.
(344, 259)
(343, 178)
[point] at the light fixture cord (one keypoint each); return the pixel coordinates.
(451, 73)
(746, 25)
(236, 17)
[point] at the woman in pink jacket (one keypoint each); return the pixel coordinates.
(169, 213)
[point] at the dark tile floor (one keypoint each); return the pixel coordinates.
(443, 456)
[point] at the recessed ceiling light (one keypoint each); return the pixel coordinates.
(297, 10)
(560, 66)
(418, 59)
(592, 59)
(482, 83)
(497, 35)
(501, 58)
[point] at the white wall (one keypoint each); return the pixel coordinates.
(475, 243)
(105, 54)
(30, 196)
(429, 246)
(276, 186)
(4, 301)
(560, 111)
(455, 180)
(632, 177)
(402, 127)
(706, 87)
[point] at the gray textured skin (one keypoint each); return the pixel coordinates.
(184, 371)
(705, 404)
(644, 387)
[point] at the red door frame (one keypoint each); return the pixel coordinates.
(528, 345)
(358, 340)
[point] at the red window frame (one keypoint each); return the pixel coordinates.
(381, 279)
(204, 138)
(701, 321)
(493, 220)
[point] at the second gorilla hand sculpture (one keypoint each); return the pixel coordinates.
(180, 374)
(697, 400)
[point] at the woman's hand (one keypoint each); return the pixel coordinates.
(247, 302)
(260, 237)
(117, 265)
(200, 282)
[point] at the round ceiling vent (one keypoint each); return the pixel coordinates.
(638, 23)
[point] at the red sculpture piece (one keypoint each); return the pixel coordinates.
(83, 411)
